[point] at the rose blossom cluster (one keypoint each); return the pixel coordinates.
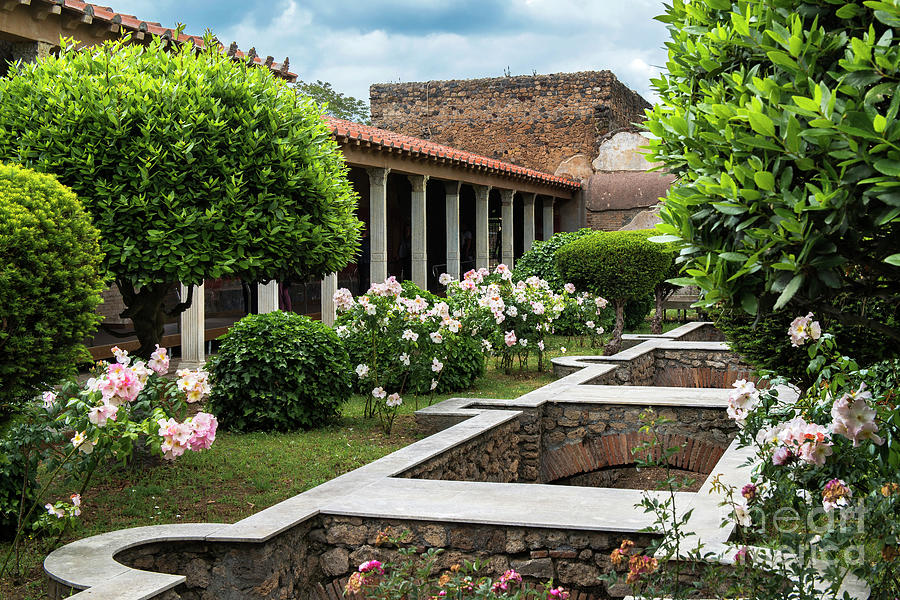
(836, 494)
(195, 433)
(797, 440)
(742, 399)
(506, 580)
(854, 418)
(803, 329)
(194, 383)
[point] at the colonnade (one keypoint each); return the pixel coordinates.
(192, 320)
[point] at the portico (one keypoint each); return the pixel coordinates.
(428, 209)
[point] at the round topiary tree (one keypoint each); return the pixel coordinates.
(780, 121)
(540, 260)
(50, 284)
(278, 371)
(193, 165)
(619, 265)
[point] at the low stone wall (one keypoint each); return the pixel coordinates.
(289, 565)
(582, 439)
(698, 368)
(493, 456)
(297, 562)
(706, 333)
(574, 559)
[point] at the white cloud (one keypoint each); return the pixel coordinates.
(547, 36)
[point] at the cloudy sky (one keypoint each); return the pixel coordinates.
(354, 43)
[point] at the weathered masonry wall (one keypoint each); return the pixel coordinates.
(306, 558)
(536, 121)
(492, 456)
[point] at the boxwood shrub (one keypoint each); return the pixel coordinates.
(278, 371)
(619, 265)
(50, 284)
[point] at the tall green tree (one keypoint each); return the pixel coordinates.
(334, 103)
(192, 165)
(780, 119)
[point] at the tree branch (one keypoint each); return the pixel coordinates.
(854, 319)
(182, 306)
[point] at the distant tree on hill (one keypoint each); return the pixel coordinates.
(335, 103)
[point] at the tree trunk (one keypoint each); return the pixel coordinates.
(616, 341)
(146, 311)
(656, 323)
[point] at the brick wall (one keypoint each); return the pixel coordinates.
(535, 121)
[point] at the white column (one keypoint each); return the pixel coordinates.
(267, 297)
(329, 287)
(451, 191)
(528, 221)
(378, 223)
(419, 236)
(482, 252)
(548, 218)
(193, 329)
(506, 226)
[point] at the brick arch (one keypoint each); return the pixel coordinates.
(701, 377)
(614, 450)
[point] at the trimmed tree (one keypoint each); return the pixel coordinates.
(50, 284)
(618, 265)
(193, 166)
(780, 120)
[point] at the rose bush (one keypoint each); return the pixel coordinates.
(831, 457)
(125, 405)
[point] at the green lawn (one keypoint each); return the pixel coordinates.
(244, 473)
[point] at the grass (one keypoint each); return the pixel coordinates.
(245, 473)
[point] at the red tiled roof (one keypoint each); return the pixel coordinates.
(93, 13)
(349, 132)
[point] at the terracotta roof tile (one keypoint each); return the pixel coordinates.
(95, 13)
(347, 131)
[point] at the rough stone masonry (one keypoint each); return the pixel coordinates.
(535, 121)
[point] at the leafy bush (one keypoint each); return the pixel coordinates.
(18, 469)
(620, 265)
(540, 261)
(636, 311)
(780, 121)
(192, 165)
(278, 371)
(462, 355)
(761, 341)
(50, 284)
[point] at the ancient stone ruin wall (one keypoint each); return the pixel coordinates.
(581, 439)
(492, 456)
(698, 368)
(535, 121)
(287, 566)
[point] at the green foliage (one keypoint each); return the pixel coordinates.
(462, 355)
(764, 342)
(193, 165)
(637, 310)
(278, 371)
(18, 470)
(334, 103)
(540, 261)
(618, 265)
(50, 283)
(780, 121)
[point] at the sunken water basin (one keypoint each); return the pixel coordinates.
(480, 486)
